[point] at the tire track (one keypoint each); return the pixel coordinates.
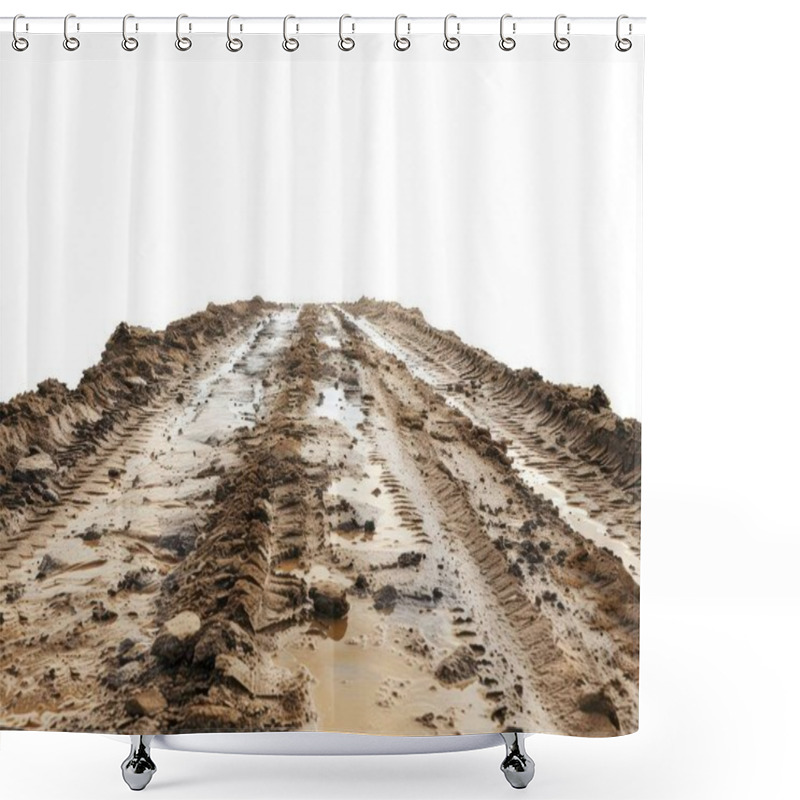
(131, 502)
(474, 488)
(374, 519)
(226, 679)
(294, 529)
(574, 456)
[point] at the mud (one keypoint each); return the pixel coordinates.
(316, 518)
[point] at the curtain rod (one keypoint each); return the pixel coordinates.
(325, 25)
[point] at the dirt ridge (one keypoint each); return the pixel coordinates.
(223, 682)
(583, 416)
(137, 366)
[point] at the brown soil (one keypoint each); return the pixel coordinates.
(320, 518)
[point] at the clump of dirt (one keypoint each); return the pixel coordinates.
(410, 559)
(385, 599)
(181, 543)
(330, 602)
(48, 565)
(458, 667)
(135, 580)
(102, 614)
(599, 703)
(221, 636)
(176, 640)
(13, 592)
(481, 439)
(149, 703)
(91, 534)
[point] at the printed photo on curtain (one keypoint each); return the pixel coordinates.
(319, 381)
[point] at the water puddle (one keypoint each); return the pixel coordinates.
(231, 397)
(334, 629)
(331, 341)
(319, 573)
(333, 403)
(287, 566)
(576, 517)
(365, 682)
(363, 512)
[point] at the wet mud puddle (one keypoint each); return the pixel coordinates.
(365, 681)
(233, 395)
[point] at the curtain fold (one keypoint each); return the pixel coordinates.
(319, 384)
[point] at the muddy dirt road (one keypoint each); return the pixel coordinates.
(327, 517)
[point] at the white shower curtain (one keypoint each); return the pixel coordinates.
(499, 194)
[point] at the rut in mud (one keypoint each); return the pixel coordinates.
(271, 517)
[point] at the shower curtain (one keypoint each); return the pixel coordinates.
(319, 380)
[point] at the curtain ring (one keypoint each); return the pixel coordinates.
(19, 43)
(450, 42)
(506, 42)
(233, 44)
(401, 43)
(70, 42)
(290, 44)
(622, 44)
(346, 43)
(129, 43)
(561, 43)
(183, 43)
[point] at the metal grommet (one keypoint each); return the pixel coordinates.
(289, 44)
(450, 42)
(346, 43)
(19, 43)
(561, 43)
(623, 44)
(129, 43)
(401, 43)
(71, 43)
(183, 43)
(506, 42)
(233, 44)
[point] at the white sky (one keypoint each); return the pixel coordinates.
(498, 192)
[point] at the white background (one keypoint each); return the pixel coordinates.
(720, 598)
(498, 192)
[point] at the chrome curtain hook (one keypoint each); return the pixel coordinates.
(401, 43)
(506, 42)
(561, 43)
(129, 43)
(19, 43)
(346, 43)
(290, 44)
(233, 44)
(623, 44)
(70, 42)
(450, 42)
(181, 42)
